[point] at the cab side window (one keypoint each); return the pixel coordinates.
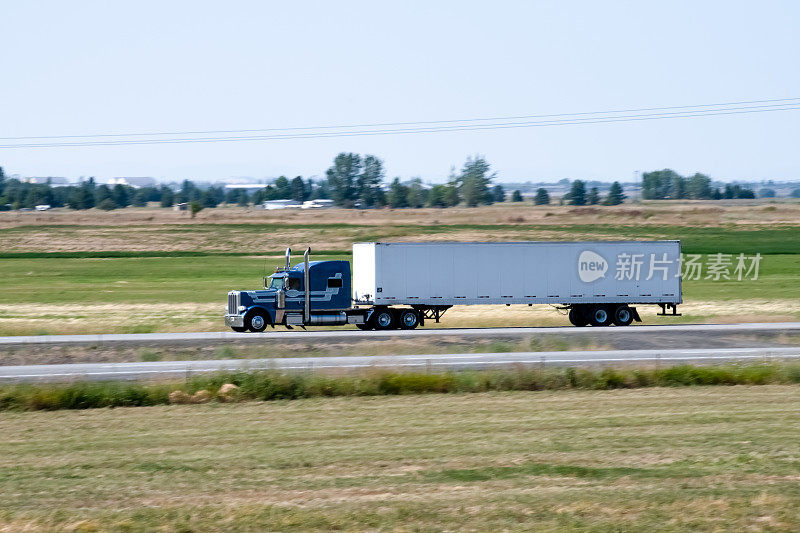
(293, 284)
(334, 283)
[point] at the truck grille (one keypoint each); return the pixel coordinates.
(233, 303)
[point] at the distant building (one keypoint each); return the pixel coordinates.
(136, 183)
(317, 204)
(42, 207)
(246, 186)
(282, 204)
(53, 181)
(183, 206)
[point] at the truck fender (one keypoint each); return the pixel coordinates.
(269, 312)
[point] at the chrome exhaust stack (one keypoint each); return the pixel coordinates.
(288, 258)
(306, 280)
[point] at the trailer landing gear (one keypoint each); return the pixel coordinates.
(664, 308)
(431, 313)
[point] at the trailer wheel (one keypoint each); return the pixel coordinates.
(383, 319)
(623, 316)
(599, 316)
(256, 321)
(409, 319)
(577, 317)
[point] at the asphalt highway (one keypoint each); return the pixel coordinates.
(360, 335)
(433, 362)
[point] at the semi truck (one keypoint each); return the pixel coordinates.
(403, 285)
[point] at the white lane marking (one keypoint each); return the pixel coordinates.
(431, 361)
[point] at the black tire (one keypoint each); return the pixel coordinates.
(239, 329)
(256, 321)
(409, 319)
(599, 315)
(383, 319)
(577, 317)
(623, 315)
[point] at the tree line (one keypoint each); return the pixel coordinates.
(351, 181)
(669, 185)
(578, 195)
(354, 180)
(15, 194)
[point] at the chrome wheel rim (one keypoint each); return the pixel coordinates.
(384, 319)
(601, 316)
(257, 322)
(623, 315)
(409, 319)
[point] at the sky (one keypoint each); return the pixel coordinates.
(98, 67)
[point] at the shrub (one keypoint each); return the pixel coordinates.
(107, 205)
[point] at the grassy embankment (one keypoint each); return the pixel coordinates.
(150, 275)
(660, 459)
(269, 385)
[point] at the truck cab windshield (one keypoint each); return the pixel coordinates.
(282, 282)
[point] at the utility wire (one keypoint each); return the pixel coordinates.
(423, 122)
(432, 126)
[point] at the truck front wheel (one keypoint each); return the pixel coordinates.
(256, 321)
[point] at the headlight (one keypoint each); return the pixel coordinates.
(242, 308)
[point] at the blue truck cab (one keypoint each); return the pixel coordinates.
(310, 293)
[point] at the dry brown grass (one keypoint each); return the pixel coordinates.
(721, 458)
(233, 229)
(685, 213)
(33, 319)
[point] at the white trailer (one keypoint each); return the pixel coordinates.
(596, 281)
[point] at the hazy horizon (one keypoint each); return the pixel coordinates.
(103, 68)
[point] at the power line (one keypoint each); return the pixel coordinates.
(431, 126)
(382, 124)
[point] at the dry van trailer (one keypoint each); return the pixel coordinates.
(597, 282)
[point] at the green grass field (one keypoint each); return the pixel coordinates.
(173, 275)
(207, 279)
(683, 459)
(144, 294)
(204, 279)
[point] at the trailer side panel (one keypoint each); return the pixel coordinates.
(433, 274)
